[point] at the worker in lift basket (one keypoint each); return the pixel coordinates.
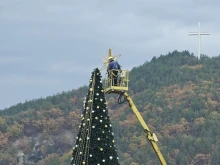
(113, 69)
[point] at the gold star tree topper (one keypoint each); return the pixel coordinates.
(105, 59)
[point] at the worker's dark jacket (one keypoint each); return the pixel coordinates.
(112, 65)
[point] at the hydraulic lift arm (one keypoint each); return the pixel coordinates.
(150, 136)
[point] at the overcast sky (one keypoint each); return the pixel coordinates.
(50, 46)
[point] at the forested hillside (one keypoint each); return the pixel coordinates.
(178, 97)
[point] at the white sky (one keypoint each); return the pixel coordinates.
(50, 46)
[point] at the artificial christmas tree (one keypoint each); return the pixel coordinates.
(95, 140)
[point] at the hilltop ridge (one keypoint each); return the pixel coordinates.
(178, 97)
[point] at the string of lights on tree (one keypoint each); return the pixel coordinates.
(95, 140)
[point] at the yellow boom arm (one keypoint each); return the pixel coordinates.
(150, 136)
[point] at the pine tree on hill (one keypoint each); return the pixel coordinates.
(95, 140)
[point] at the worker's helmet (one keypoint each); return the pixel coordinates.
(110, 58)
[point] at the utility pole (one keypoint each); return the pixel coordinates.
(199, 38)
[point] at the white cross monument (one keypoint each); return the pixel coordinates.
(199, 38)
